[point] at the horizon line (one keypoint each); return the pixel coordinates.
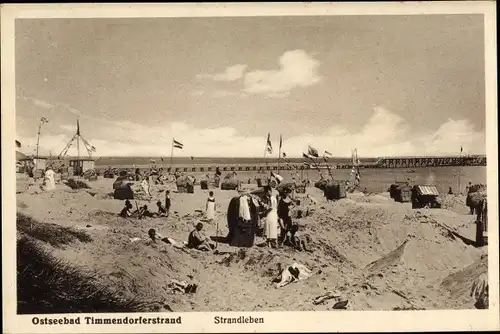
(261, 158)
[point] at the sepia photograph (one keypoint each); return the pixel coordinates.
(237, 163)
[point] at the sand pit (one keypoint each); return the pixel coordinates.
(375, 253)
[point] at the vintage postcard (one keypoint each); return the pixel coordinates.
(248, 167)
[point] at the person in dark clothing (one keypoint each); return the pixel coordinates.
(232, 218)
(450, 192)
(138, 176)
(198, 240)
(167, 201)
(126, 210)
(144, 212)
(162, 212)
(285, 219)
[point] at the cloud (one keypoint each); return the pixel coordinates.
(232, 73)
(383, 134)
(297, 69)
(42, 104)
(68, 127)
(54, 106)
(198, 92)
(223, 93)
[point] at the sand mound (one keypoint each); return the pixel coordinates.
(458, 285)
(455, 203)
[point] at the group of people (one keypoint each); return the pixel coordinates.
(280, 229)
(267, 215)
(274, 216)
(144, 212)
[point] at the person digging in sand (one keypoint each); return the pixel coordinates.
(198, 240)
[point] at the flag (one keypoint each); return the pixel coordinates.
(328, 153)
(325, 159)
(306, 156)
(93, 148)
(269, 146)
(178, 144)
(312, 151)
(461, 149)
(281, 141)
(161, 158)
(284, 155)
(18, 144)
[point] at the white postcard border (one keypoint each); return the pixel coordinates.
(371, 321)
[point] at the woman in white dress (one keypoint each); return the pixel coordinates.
(271, 230)
(49, 182)
(210, 210)
(146, 186)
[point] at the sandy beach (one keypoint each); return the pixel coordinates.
(351, 241)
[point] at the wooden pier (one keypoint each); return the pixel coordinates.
(416, 162)
(383, 162)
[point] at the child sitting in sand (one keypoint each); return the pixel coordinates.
(126, 210)
(144, 212)
(162, 212)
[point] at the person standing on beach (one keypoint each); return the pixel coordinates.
(271, 230)
(146, 186)
(167, 201)
(210, 209)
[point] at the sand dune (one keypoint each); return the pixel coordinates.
(348, 237)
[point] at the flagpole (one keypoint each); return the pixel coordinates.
(37, 145)
(78, 146)
(265, 151)
(171, 155)
(279, 155)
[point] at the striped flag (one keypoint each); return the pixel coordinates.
(312, 151)
(269, 146)
(177, 144)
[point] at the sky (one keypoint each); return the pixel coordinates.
(386, 85)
